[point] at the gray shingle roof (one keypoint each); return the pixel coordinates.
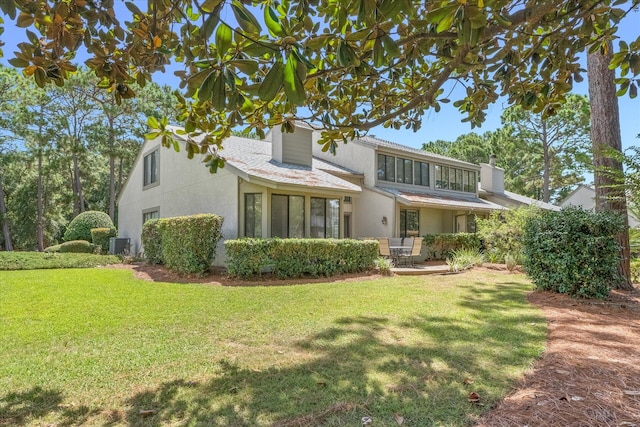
(252, 158)
(382, 143)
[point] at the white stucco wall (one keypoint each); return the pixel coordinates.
(351, 155)
(368, 210)
(582, 196)
(185, 187)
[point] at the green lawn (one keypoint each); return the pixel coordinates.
(97, 346)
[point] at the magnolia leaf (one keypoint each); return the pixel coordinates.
(293, 86)
(272, 82)
(206, 89)
(223, 39)
(247, 66)
(273, 22)
(245, 19)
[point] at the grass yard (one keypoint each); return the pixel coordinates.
(97, 346)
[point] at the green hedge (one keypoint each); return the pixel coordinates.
(572, 251)
(77, 246)
(100, 237)
(152, 242)
(290, 258)
(635, 270)
(441, 246)
(189, 242)
(80, 227)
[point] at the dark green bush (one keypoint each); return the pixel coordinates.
(189, 242)
(441, 246)
(248, 257)
(80, 227)
(77, 246)
(572, 251)
(100, 237)
(289, 258)
(152, 241)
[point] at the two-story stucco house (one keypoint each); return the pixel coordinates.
(285, 186)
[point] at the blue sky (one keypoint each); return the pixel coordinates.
(445, 124)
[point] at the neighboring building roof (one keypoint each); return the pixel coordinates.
(519, 199)
(381, 143)
(581, 187)
(251, 158)
(437, 201)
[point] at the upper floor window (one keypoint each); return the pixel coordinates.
(442, 177)
(421, 173)
(405, 170)
(448, 178)
(469, 181)
(386, 168)
(151, 168)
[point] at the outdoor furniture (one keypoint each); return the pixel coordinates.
(402, 250)
(384, 249)
(416, 249)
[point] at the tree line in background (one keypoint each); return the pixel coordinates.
(543, 157)
(66, 149)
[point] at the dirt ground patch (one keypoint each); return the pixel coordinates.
(158, 273)
(588, 376)
(590, 373)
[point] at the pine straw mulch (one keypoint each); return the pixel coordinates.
(588, 376)
(590, 373)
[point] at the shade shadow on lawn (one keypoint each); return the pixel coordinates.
(338, 386)
(360, 366)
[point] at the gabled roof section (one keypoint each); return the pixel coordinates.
(382, 143)
(251, 160)
(519, 199)
(442, 202)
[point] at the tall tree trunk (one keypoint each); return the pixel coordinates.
(39, 206)
(112, 171)
(78, 185)
(605, 137)
(6, 231)
(546, 158)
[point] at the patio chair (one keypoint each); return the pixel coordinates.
(416, 249)
(383, 244)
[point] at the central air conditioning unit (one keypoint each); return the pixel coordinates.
(119, 245)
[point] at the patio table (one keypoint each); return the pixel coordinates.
(398, 252)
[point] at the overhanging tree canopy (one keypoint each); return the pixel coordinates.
(352, 64)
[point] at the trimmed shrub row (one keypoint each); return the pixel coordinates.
(442, 246)
(100, 237)
(572, 251)
(292, 258)
(185, 244)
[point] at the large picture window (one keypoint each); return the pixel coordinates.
(151, 168)
(325, 218)
(287, 216)
(442, 177)
(386, 168)
(448, 178)
(409, 223)
(405, 171)
(253, 215)
(469, 181)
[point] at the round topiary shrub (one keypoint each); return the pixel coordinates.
(80, 227)
(77, 246)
